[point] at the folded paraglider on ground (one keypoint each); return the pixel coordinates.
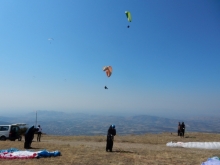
(14, 153)
(212, 161)
(202, 145)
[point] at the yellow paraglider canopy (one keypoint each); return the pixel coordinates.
(128, 15)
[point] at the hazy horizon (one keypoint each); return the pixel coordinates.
(180, 115)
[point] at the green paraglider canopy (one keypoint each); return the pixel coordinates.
(128, 15)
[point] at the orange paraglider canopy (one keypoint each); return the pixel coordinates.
(108, 70)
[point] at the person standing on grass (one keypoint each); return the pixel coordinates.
(39, 132)
(110, 138)
(29, 135)
(183, 128)
(178, 131)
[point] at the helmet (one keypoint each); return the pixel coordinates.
(113, 126)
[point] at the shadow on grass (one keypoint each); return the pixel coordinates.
(190, 137)
(33, 148)
(123, 151)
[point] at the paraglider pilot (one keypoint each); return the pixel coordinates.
(110, 138)
(128, 15)
(39, 132)
(183, 128)
(29, 135)
(108, 71)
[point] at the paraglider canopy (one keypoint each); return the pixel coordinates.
(128, 15)
(107, 70)
(50, 39)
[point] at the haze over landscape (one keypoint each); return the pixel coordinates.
(61, 123)
(166, 64)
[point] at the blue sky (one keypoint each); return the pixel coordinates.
(167, 63)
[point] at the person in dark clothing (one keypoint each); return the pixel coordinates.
(110, 138)
(183, 128)
(29, 135)
(181, 131)
(178, 131)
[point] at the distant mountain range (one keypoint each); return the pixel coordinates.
(4, 123)
(60, 123)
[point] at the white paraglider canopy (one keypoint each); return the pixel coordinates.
(202, 145)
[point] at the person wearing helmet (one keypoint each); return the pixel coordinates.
(110, 138)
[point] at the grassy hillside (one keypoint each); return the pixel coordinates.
(133, 149)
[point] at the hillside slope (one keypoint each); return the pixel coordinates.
(137, 149)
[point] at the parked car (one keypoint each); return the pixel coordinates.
(11, 132)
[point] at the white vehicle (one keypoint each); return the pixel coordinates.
(11, 132)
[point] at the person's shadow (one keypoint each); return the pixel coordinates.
(123, 151)
(33, 148)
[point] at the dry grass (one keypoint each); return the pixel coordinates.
(134, 149)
